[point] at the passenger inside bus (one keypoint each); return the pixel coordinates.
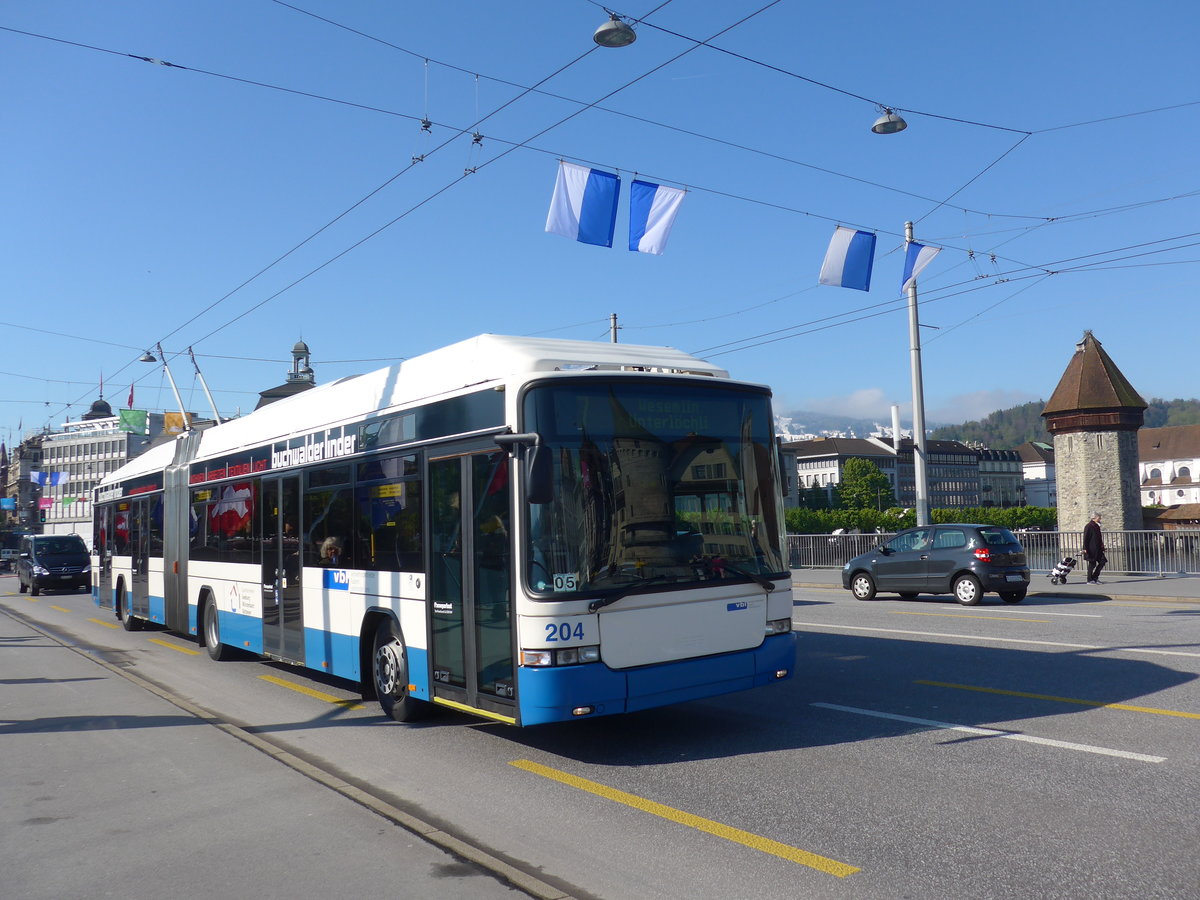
(331, 551)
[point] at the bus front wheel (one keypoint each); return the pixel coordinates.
(129, 621)
(212, 633)
(389, 671)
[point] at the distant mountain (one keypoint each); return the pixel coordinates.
(801, 424)
(1007, 429)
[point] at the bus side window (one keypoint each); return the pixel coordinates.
(388, 506)
(328, 523)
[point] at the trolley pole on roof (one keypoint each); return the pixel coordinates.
(204, 384)
(612, 327)
(920, 473)
(174, 390)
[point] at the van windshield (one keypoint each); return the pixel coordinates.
(60, 546)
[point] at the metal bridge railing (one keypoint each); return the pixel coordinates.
(1130, 552)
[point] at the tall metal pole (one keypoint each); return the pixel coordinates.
(174, 390)
(920, 472)
(612, 326)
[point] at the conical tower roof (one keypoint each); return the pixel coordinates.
(1093, 394)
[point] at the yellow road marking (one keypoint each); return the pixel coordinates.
(486, 713)
(301, 689)
(102, 622)
(746, 838)
(59, 608)
(897, 612)
(187, 650)
(1076, 700)
(34, 599)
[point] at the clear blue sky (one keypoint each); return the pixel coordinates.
(137, 195)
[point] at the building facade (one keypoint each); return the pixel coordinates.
(953, 469)
(1001, 478)
(73, 460)
(1169, 465)
(1037, 464)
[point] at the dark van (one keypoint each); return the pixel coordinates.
(53, 562)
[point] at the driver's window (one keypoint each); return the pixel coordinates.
(910, 540)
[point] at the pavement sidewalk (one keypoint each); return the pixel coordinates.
(1113, 586)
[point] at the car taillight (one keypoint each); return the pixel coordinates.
(983, 554)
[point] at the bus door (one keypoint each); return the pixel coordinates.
(139, 549)
(102, 549)
(470, 577)
(283, 615)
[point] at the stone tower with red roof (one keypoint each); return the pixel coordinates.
(1094, 415)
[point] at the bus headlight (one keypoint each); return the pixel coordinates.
(574, 656)
(779, 626)
(568, 656)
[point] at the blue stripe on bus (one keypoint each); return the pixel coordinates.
(158, 609)
(324, 651)
(238, 630)
(337, 654)
(549, 694)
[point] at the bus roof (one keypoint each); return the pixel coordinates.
(475, 361)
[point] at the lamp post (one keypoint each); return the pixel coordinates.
(920, 474)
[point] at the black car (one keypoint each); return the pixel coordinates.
(53, 562)
(964, 560)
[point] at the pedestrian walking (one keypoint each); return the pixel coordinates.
(1093, 549)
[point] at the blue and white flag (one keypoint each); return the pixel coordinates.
(849, 259)
(652, 211)
(584, 205)
(916, 258)
(46, 479)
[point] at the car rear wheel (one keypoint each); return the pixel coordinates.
(1012, 596)
(862, 586)
(967, 590)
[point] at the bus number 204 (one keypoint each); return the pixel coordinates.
(564, 631)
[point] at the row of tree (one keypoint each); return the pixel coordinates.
(826, 521)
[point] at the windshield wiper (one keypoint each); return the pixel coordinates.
(761, 580)
(622, 592)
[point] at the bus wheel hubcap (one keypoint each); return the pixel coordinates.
(387, 668)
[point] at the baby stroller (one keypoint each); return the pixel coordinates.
(1058, 575)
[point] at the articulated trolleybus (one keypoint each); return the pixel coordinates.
(528, 530)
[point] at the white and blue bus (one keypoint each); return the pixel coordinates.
(529, 530)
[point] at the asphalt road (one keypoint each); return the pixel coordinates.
(923, 750)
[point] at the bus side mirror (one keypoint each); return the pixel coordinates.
(539, 465)
(539, 475)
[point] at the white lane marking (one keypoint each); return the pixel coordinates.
(997, 640)
(1039, 612)
(991, 732)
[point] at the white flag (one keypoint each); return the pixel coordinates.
(584, 205)
(652, 211)
(916, 258)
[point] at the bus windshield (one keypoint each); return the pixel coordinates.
(655, 484)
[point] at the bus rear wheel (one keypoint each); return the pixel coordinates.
(389, 672)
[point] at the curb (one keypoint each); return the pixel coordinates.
(1058, 595)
